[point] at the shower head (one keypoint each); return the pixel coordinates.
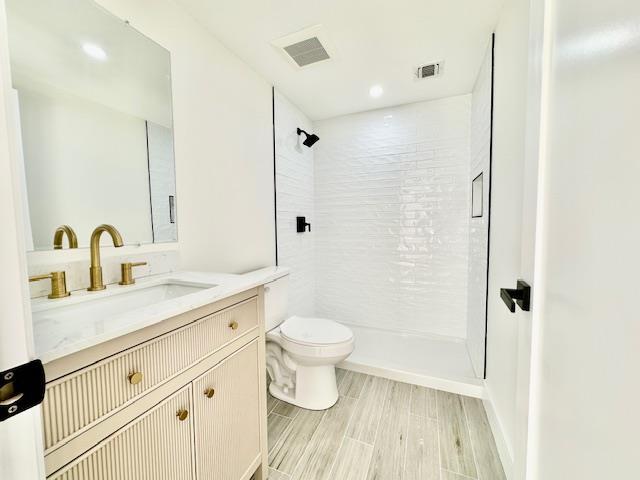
(311, 138)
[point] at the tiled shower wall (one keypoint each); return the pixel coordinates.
(479, 227)
(295, 192)
(392, 217)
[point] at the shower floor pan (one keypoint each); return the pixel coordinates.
(443, 364)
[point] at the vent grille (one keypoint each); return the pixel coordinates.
(430, 70)
(307, 52)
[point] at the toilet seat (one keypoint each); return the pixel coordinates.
(302, 353)
(313, 338)
(315, 331)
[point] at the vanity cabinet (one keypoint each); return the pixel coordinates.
(226, 414)
(189, 403)
(156, 446)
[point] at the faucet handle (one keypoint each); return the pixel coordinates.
(58, 283)
(127, 273)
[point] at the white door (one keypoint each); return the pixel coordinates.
(514, 211)
(585, 413)
(21, 453)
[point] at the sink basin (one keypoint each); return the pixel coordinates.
(93, 314)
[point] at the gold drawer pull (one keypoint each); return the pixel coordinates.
(233, 325)
(209, 392)
(135, 378)
(182, 415)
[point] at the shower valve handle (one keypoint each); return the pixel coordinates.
(520, 295)
(302, 224)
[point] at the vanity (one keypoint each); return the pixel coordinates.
(150, 374)
(171, 390)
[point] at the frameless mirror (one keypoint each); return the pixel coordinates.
(94, 101)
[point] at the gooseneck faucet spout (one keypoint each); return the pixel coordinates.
(95, 271)
(61, 231)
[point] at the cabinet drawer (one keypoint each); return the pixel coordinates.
(156, 446)
(77, 401)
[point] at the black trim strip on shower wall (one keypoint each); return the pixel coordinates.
(486, 307)
(275, 191)
(153, 229)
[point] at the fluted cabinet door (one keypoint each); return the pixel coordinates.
(156, 446)
(227, 417)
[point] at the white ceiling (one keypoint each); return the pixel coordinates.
(377, 42)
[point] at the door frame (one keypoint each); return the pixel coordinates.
(21, 444)
(532, 255)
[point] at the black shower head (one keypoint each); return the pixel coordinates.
(311, 138)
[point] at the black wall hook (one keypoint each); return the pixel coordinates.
(301, 224)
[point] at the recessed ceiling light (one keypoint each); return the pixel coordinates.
(94, 51)
(376, 91)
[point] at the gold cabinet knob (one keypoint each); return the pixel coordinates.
(182, 414)
(209, 392)
(135, 378)
(233, 325)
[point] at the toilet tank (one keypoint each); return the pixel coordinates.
(276, 302)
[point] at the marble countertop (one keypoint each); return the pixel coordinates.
(56, 336)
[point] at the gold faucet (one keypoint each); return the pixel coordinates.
(59, 235)
(58, 283)
(95, 271)
(127, 274)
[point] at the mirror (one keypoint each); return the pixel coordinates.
(94, 101)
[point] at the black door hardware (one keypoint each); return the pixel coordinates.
(21, 388)
(301, 224)
(521, 295)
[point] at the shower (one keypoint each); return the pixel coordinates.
(311, 138)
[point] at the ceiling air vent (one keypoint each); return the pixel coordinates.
(307, 52)
(305, 47)
(430, 70)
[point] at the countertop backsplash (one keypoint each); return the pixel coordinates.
(78, 270)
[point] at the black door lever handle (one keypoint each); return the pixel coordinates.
(521, 295)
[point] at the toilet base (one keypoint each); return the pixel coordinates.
(315, 388)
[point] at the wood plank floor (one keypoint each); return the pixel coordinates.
(383, 430)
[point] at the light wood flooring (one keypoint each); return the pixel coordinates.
(383, 430)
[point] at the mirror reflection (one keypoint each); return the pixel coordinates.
(94, 101)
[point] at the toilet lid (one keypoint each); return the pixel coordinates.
(315, 331)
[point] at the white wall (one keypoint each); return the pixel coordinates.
(392, 216)
(223, 142)
(295, 194)
(480, 163)
(86, 164)
(585, 416)
(21, 449)
(511, 57)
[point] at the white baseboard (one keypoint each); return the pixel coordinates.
(470, 388)
(504, 450)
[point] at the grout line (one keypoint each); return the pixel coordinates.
(359, 441)
(294, 470)
(456, 473)
(406, 447)
(274, 405)
(473, 450)
(276, 470)
(280, 440)
(281, 416)
(375, 436)
(335, 460)
(439, 440)
(386, 392)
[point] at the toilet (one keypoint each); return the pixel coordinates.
(302, 352)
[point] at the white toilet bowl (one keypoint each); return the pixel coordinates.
(301, 356)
